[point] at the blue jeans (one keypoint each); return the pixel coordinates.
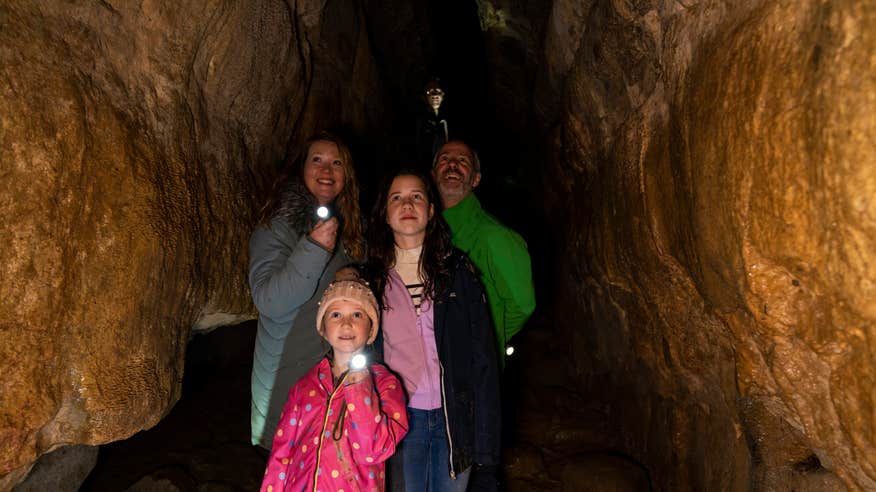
(425, 455)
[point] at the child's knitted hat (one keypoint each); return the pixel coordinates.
(349, 290)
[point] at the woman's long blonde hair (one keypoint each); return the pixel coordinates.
(347, 201)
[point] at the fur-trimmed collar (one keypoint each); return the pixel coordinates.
(297, 206)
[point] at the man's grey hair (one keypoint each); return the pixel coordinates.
(475, 160)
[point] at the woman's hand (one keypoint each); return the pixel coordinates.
(325, 232)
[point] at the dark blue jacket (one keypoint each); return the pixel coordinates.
(467, 351)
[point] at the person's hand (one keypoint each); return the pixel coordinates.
(354, 377)
(325, 232)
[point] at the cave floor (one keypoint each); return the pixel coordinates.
(554, 438)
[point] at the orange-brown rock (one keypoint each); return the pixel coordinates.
(717, 172)
(136, 140)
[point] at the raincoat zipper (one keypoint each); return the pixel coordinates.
(325, 425)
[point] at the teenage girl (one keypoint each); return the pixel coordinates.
(437, 336)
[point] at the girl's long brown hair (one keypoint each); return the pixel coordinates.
(433, 266)
(347, 201)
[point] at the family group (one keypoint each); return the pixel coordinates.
(381, 342)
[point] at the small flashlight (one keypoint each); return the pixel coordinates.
(323, 212)
(509, 350)
(358, 362)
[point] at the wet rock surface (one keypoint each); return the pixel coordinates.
(137, 141)
(711, 162)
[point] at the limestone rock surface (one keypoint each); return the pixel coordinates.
(137, 140)
(715, 169)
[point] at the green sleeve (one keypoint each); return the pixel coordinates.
(511, 275)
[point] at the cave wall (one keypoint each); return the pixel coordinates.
(714, 168)
(137, 140)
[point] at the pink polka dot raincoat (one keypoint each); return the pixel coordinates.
(337, 439)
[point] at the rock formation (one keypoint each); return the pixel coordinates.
(137, 139)
(717, 172)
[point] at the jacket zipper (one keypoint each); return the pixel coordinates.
(443, 396)
(324, 426)
(446, 422)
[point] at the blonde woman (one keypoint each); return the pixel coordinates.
(293, 255)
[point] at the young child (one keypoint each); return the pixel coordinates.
(339, 424)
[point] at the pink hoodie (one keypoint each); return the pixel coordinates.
(409, 346)
(307, 457)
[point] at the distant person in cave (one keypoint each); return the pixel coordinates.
(293, 255)
(346, 416)
(499, 253)
(432, 129)
(436, 335)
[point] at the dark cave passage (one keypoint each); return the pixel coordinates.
(694, 184)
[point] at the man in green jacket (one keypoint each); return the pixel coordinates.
(499, 253)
